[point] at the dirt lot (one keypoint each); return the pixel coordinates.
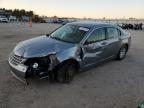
(115, 84)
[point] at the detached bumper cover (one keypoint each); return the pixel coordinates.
(19, 71)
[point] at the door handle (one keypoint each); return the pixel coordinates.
(91, 46)
(105, 43)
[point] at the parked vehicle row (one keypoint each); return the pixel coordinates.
(132, 26)
(3, 19)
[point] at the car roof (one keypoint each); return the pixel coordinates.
(91, 24)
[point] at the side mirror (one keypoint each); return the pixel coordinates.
(87, 43)
(47, 35)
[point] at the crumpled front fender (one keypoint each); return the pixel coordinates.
(72, 53)
(58, 58)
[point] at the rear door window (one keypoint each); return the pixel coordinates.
(97, 35)
(112, 33)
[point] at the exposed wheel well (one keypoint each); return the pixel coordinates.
(63, 64)
(126, 45)
(71, 61)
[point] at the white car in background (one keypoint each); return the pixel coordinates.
(12, 19)
(3, 19)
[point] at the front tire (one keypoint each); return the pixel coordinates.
(66, 72)
(122, 52)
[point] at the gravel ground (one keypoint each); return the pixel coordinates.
(114, 84)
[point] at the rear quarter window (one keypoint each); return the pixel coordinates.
(124, 33)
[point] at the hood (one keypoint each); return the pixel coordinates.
(40, 47)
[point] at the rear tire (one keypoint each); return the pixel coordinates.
(122, 52)
(66, 72)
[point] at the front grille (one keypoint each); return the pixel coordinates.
(15, 59)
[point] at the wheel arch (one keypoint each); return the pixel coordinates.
(126, 44)
(71, 60)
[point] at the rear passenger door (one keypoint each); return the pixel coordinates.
(112, 41)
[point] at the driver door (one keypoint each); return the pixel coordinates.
(94, 47)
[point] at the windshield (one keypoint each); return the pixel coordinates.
(70, 33)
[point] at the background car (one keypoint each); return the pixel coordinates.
(3, 19)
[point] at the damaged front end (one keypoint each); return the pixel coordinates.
(23, 68)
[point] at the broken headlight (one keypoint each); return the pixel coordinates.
(38, 63)
(35, 65)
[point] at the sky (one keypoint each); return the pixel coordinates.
(80, 8)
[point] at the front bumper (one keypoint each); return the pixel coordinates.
(19, 71)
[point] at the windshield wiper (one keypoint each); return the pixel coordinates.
(61, 39)
(56, 38)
